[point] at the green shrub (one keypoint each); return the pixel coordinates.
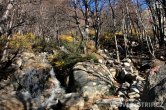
(43, 45)
(63, 62)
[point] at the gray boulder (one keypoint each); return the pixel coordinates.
(87, 83)
(110, 104)
(155, 91)
(33, 85)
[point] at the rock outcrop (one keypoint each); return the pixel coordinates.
(98, 81)
(32, 86)
(155, 90)
(107, 84)
(88, 79)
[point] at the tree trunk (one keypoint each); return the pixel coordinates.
(114, 31)
(4, 17)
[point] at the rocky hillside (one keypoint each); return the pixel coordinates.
(82, 55)
(106, 84)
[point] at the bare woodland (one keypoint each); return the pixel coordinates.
(142, 20)
(103, 38)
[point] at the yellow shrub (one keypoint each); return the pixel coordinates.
(50, 57)
(53, 56)
(106, 38)
(59, 64)
(119, 33)
(21, 41)
(66, 38)
(91, 33)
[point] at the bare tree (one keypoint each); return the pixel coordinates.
(97, 15)
(157, 9)
(84, 30)
(114, 25)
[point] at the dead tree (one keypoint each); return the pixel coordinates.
(144, 32)
(84, 30)
(157, 9)
(114, 31)
(96, 15)
(3, 20)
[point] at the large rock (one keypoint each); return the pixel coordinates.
(132, 104)
(73, 101)
(117, 103)
(155, 90)
(87, 82)
(110, 104)
(9, 102)
(33, 83)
